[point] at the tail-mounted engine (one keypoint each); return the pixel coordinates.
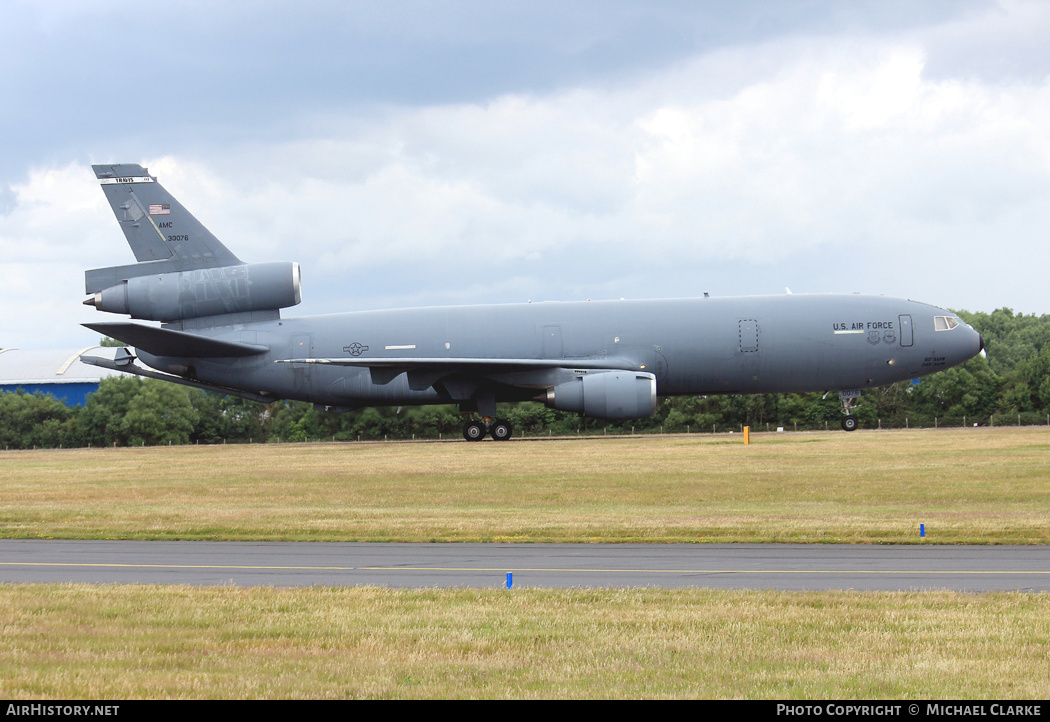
(201, 292)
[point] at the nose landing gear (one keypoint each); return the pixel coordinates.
(848, 397)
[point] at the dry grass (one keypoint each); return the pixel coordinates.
(117, 642)
(965, 485)
(80, 641)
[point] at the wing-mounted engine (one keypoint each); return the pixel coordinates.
(196, 293)
(607, 395)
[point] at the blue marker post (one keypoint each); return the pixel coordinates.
(922, 530)
(510, 579)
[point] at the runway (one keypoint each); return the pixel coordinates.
(715, 566)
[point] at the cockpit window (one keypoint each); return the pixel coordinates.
(944, 323)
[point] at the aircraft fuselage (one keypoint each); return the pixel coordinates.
(790, 343)
(222, 331)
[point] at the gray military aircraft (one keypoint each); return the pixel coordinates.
(221, 330)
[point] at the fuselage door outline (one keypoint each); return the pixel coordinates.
(907, 336)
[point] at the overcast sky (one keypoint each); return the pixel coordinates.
(426, 153)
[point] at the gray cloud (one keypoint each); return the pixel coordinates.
(421, 153)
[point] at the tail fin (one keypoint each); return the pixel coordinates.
(183, 271)
(156, 225)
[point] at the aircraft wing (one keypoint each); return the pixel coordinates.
(481, 363)
(425, 372)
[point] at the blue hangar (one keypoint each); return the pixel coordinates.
(58, 372)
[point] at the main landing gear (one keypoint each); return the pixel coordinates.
(478, 429)
(483, 403)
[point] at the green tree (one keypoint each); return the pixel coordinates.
(969, 390)
(1010, 338)
(244, 420)
(100, 423)
(161, 413)
(1027, 387)
(35, 420)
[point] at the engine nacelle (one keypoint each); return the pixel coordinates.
(203, 292)
(607, 395)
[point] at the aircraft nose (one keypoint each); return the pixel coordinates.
(976, 343)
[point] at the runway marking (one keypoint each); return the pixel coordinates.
(517, 569)
(693, 571)
(169, 566)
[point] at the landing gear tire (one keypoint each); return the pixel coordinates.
(501, 430)
(474, 431)
(849, 423)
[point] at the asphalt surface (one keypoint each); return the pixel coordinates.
(714, 566)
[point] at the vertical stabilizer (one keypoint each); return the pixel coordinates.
(183, 272)
(157, 226)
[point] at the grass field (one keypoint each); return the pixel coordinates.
(966, 485)
(117, 642)
(91, 642)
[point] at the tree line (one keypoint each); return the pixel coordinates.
(1009, 386)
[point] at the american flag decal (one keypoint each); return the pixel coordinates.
(160, 209)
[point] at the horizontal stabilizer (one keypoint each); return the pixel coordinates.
(131, 368)
(98, 279)
(166, 342)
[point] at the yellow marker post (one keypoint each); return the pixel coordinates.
(747, 434)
